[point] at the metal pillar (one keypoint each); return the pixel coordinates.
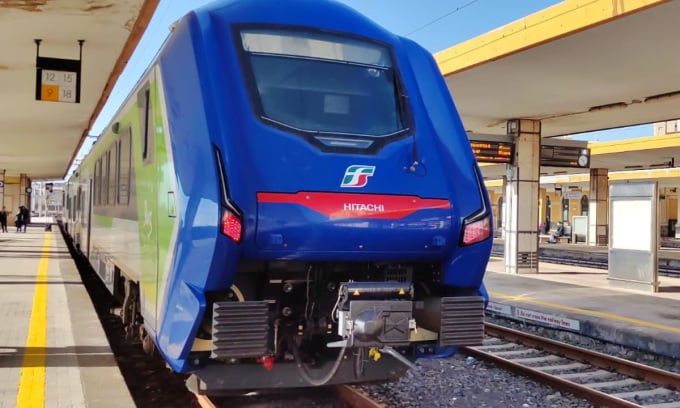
(521, 193)
(598, 208)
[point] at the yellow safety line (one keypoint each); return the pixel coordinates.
(32, 383)
(521, 298)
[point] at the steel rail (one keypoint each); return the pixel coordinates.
(596, 359)
(351, 396)
(612, 363)
(356, 398)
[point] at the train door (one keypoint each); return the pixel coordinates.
(147, 202)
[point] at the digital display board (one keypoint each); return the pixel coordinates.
(565, 156)
(493, 152)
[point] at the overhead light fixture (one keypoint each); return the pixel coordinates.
(670, 163)
(632, 167)
(662, 97)
(617, 105)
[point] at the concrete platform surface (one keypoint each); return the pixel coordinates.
(582, 300)
(53, 350)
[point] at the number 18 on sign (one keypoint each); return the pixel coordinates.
(58, 86)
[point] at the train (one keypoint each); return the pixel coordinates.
(287, 198)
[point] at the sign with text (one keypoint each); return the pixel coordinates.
(492, 151)
(57, 80)
(565, 156)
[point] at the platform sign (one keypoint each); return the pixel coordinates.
(492, 151)
(57, 80)
(564, 156)
(58, 86)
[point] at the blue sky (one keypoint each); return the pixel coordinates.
(435, 24)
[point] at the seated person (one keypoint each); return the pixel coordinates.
(558, 233)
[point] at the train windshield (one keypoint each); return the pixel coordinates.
(321, 83)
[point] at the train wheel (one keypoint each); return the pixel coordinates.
(147, 343)
(129, 313)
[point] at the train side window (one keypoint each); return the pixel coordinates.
(113, 171)
(98, 182)
(77, 203)
(95, 184)
(124, 163)
(105, 177)
(147, 128)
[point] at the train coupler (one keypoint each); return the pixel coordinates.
(375, 314)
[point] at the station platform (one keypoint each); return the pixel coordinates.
(53, 350)
(580, 299)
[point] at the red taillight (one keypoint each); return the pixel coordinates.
(477, 231)
(231, 226)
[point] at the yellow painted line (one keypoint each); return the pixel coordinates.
(612, 316)
(32, 383)
(560, 20)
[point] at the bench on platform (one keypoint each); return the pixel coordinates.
(545, 238)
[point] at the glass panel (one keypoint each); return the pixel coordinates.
(315, 46)
(112, 175)
(125, 161)
(323, 83)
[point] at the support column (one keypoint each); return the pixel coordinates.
(598, 208)
(23, 194)
(521, 193)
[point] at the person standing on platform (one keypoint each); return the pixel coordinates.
(26, 216)
(3, 219)
(19, 219)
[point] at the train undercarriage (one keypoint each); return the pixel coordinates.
(284, 324)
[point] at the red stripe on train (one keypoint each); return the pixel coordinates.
(344, 205)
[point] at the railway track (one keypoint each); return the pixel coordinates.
(340, 396)
(602, 379)
(666, 267)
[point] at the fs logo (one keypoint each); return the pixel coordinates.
(357, 175)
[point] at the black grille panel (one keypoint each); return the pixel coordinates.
(462, 321)
(240, 329)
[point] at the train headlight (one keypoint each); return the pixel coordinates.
(231, 225)
(477, 231)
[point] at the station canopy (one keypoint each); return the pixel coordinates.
(45, 117)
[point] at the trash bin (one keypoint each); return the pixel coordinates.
(671, 227)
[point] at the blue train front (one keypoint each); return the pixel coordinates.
(352, 227)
